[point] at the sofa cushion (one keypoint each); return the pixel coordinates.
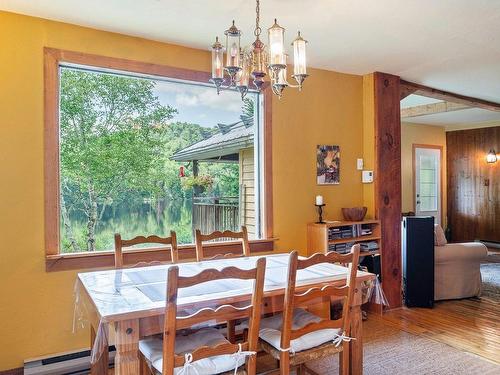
(439, 237)
(461, 252)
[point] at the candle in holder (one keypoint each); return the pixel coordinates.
(319, 200)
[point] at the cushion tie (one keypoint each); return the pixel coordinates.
(239, 355)
(186, 369)
(342, 337)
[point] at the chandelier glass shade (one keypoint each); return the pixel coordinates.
(248, 67)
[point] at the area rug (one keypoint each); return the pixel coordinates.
(490, 274)
(388, 350)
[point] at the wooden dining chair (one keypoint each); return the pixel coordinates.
(200, 238)
(120, 244)
(297, 336)
(205, 351)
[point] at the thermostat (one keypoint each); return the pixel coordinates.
(359, 164)
(367, 177)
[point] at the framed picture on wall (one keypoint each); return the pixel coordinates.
(327, 165)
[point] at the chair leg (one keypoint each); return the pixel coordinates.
(231, 331)
(344, 361)
(300, 370)
(285, 363)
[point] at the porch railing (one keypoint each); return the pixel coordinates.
(215, 213)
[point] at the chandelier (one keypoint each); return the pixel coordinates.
(256, 61)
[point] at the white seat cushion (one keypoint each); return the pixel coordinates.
(270, 331)
(152, 349)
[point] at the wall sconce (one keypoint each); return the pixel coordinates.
(491, 157)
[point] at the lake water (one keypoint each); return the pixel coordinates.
(133, 219)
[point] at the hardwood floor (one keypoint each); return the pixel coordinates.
(472, 325)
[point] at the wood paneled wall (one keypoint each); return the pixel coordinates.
(473, 184)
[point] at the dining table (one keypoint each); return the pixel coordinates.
(122, 306)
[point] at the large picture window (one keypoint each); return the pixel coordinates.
(142, 154)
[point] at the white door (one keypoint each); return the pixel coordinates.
(428, 182)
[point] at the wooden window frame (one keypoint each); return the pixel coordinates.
(55, 261)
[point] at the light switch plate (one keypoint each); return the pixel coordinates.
(359, 164)
(367, 177)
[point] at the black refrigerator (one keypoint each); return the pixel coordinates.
(418, 261)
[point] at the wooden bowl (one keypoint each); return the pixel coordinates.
(354, 213)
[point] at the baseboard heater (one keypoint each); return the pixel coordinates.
(74, 363)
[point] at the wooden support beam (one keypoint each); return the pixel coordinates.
(388, 181)
(431, 109)
(408, 88)
(406, 91)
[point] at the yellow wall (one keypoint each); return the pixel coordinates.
(369, 142)
(419, 134)
(37, 307)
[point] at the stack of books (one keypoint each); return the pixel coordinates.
(359, 230)
(369, 246)
(340, 232)
(342, 248)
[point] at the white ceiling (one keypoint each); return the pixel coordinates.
(452, 45)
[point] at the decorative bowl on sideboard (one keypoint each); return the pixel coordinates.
(354, 213)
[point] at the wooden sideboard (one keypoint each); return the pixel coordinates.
(322, 238)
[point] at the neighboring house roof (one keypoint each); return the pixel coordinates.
(230, 139)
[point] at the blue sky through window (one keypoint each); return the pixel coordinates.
(200, 104)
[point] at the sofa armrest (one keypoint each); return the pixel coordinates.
(455, 252)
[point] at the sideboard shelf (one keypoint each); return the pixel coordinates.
(319, 236)
(355, 239)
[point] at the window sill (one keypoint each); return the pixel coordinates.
(105, 259)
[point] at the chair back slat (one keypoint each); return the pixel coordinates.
(200, 238)
(312, 327)
(293, 299)
(223, 256)
(327, 290)
(227, 312)
(120, 244)
(223, 312)
(330, 257)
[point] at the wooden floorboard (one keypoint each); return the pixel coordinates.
(472, 325)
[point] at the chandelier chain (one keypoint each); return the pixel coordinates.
(257, 30)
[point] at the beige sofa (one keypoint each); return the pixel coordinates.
(457, 270)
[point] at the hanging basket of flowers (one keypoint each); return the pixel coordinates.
(203, 183)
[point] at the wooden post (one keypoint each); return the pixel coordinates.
(127, 347)
(388, 180)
